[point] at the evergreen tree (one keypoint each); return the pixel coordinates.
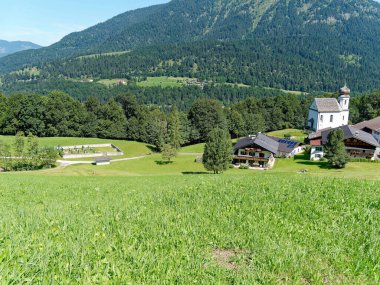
(217, 151)
(335, 150)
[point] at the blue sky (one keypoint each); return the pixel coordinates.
(47, 21)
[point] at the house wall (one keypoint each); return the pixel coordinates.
(267, 154)
(313, 116)
(339, 119)
(316, 152)
(288, 155)
(376, 135)
(297, 151)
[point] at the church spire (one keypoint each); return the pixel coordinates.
(345, 91)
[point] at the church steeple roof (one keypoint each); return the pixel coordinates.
(345, 90)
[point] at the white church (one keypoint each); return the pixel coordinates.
(327, 113)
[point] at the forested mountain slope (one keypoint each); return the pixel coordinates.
(294, 44)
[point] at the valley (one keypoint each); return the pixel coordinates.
(191, 142)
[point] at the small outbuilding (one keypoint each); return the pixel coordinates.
(105, 160)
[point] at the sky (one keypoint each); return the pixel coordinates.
(45, 22)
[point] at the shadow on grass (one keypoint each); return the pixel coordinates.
(152, 148)
(302, 156)
(160, 162)
(321, 165)
(196, 173)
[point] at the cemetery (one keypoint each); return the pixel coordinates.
(89, 151)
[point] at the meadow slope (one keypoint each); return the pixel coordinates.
(253, 228)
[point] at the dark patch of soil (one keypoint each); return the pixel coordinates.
(225, 257)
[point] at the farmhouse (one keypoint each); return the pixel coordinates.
(328, 112)
(260, 150)
(371, 126)
(359, 144)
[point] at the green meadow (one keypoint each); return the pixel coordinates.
(163, 81)
(145, 221)
(193, 229)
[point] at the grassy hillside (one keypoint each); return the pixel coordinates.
(185, 163)
(198, 229)
(129, 148)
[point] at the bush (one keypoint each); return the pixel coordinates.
(244, 166)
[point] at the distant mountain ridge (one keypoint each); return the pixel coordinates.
(7, 47)
(335, 38)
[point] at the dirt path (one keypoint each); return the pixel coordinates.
(65, 163)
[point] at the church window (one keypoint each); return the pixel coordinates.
(331, 118)
(321, 118)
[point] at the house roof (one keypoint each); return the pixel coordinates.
(260, 140)
(317, 134)
(351, 132)
(102, 159)
(373, 124)
(286, 145)
(272, 144)
(327, 105)
(267, 143)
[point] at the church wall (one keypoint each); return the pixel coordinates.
(337, 120)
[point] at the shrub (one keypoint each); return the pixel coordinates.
(244, 166)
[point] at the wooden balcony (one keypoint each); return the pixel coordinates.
(251, 158)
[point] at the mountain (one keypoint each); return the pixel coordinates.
(305, 44)
(7, 48)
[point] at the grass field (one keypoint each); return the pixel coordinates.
(163, 82)
(110, 82)
(147, 222)
(104, 54)
(298, 135)
(129, 148)
(185, 163)
(194, 229)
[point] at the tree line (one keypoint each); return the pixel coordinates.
(182, 97)
(123, 117)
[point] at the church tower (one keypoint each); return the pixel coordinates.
(344, 98)
(344, 102)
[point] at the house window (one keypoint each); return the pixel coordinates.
(345, 102)
(318, 148)
(343, 118)
(331, 118)
(322, 118)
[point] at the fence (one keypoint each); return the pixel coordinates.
(118, 151)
